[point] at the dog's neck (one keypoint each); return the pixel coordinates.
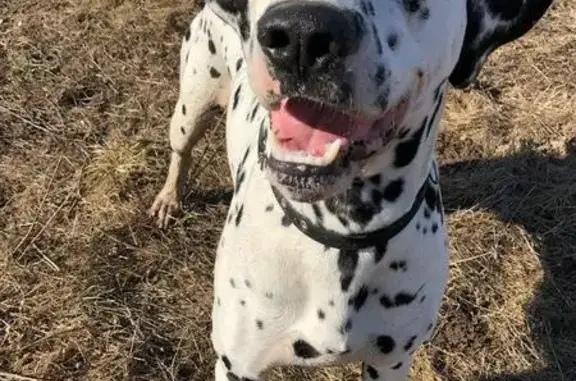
(378, 201)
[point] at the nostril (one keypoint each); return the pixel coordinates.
(276, 39)
(320, 45)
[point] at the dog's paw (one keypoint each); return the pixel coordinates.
(165, 207)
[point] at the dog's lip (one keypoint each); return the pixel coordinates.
(303, 170)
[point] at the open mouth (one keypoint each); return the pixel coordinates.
(314, 139)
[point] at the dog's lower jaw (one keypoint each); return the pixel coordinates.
(309, 189)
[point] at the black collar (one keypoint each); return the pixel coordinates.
(353, 241)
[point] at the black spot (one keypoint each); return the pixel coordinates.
(418, 226)
(304, 350)
(386, 301)
(434, 228)
(239, 180)
(398, 265)
(232, 377)
(371, 9)
(285, 221)
(183, 109)
(385, 344)
(422, 299)
(182, 130)
(406, 151)
(425, 14)
(262, 136)
(188, 34)
(393, 190)
(254, 111)
(232, 283)
(430, 326)
(359, 299)
(218, 301)
(239, 63)
(269, 295)
(321, 315)
(247, 283)
(392, 41)
(412, 6)
(400, 299)
(380, 75)
(269, 208)
(404, 298)
(236, 97)
(379, 49)
(424, 230)
(397, 366)
(239, 215)
(331, 303)
(211, 47)
(427, 214)
(376, 179)
(317, 212)
(347, 262)
(364, 7)
(379, 251)
(351, 206)
(438, 90)
(214, 73)
(226, 362)
(243, 161)
(242, 303)
(373, 373)
(347, 327)
(259, 324)
(410, 343)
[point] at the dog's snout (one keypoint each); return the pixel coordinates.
(302, 36)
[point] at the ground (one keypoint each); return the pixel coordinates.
(91, 290)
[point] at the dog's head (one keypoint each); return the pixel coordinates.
(342, 78)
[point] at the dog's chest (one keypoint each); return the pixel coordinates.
(282, 284)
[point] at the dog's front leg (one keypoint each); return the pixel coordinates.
(204, 82)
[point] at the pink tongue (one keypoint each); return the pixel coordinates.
(301, 125)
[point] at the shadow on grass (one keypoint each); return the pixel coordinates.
(538, 193)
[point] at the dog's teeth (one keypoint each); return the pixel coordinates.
(302, 157)
(332, 151)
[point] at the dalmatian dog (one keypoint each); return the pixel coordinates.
(334, 249)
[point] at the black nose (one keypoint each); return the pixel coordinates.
(304, 36)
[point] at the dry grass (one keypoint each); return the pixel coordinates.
(90, 290)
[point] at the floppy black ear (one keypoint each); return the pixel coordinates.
(491, 24)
